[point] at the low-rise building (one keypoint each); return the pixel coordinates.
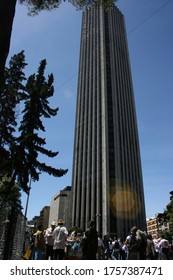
(44, 217)
(60, 207)
(152, 226)
(157, 224)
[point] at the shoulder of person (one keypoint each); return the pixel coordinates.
(63, 229)
(87, 231)
(48, 230)
(128, 237)
(161, 241)
(56, 229)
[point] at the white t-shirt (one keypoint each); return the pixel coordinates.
(163, 243)
(60, 236)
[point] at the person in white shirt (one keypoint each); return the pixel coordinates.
(164, 248)
(49, 241)
(60, 236)
(156, 241)
(100, 248)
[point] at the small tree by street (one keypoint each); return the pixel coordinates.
(169, 213)
(167, 218)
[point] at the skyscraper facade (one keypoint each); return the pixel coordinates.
(107, 183)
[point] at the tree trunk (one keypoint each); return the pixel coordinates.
(7, 12)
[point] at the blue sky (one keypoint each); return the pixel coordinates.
(55, 36)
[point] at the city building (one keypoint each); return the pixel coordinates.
(152, 226)
(44, 217)
(34, 222)
(107, 183)
(60, 207)
(157, 225)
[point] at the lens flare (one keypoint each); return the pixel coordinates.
(124, 201)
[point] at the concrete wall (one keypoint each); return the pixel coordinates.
(60, 207)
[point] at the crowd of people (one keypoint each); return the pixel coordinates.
(55, 243)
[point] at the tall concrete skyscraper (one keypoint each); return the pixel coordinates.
(107, 180)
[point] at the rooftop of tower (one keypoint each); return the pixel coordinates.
(90, 3)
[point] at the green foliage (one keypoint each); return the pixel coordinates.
(36, 6)
(9, 100)
(36, 106)
(169, 214)
(167, 235)
(20, 143)
(80, 4)
(14, 198)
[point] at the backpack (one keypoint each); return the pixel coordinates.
(133, 244)
(117, 245)
(142, 242)
(91, 239)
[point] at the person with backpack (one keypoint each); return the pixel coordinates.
(91, 242)
(132, 243)
(142, 237)
(150, 250)
(60, 234)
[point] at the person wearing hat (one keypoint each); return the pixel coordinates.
(60, 236)
(49, 241)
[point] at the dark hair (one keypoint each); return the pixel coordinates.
(91, 223)
(134, 229)
(39, 227)
(149, 236)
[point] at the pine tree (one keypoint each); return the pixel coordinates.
(9, 99)
(29, 144)
(20, 144)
